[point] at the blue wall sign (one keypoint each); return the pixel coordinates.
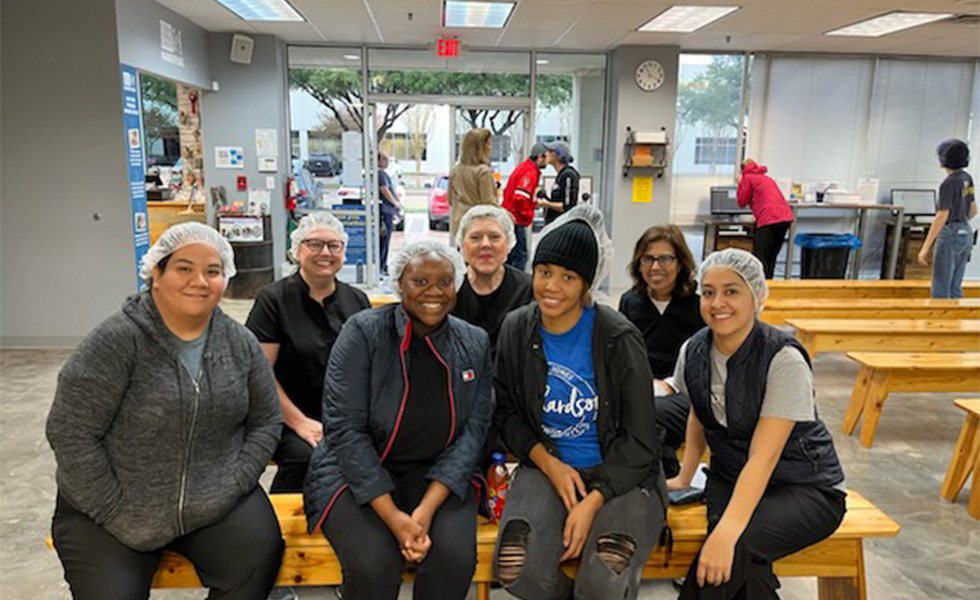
(133, 133)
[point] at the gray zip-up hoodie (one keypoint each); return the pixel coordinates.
(145, 451)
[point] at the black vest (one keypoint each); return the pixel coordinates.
(809, 456)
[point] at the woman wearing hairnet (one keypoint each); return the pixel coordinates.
(951, 230)
(407, 402)
(163, 419)
(775, 484)
(297, 320)
(575, 406)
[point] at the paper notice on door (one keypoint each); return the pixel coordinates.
(643, 190)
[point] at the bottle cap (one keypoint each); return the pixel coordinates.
(498, 457)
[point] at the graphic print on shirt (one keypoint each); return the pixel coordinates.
(570, 404)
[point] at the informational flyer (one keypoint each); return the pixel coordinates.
(265, 143)
(355, 225)
(133, 140)
(229, 157)
(642, 190)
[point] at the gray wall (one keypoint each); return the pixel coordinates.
(643, 111)
(138, 28)
(61, 137)
(249, 97)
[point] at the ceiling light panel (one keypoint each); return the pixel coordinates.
(890, 23)
(464, 13)
(263, 10)
(685, 19)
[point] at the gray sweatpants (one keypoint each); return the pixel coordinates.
(529, 543)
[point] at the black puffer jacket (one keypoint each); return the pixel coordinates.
(364, 393)
(628, 431)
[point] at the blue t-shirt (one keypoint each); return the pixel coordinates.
(571, 401)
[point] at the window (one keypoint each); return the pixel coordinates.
(161, 134)
(405, 146)
(715, 151)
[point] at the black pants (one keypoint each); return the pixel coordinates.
(517, 257)
(787, 519)
(237, 558)
(767, 243)
(293, 459)
(388, 219)
(672, 417)
(369, 555)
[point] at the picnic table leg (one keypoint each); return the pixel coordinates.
(845, 588)
(963, 460)
(856, 406)
(809, 341)
(974, 505)
(873, 403)
(483, 590)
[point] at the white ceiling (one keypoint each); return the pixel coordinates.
(760, 25)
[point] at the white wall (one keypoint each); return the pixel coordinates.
(66, 242)
(138, 28)
(643, 111)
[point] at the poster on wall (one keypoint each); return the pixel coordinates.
(133, 140)
(229, 157)
(354, 220)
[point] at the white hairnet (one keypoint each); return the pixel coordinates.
(591, 216)
(487, 211)
(184, 234)
(314, 221)
(747, 266)
(397, 264)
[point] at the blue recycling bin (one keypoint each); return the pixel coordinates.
(825, 255)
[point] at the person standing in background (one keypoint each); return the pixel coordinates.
(471, 180)
(520, 201)
(565, 193)
(950, 229)
(390, 207)
(773, 215)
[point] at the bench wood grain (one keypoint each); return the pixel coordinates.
(966, 458)
(780, 289)
(885, 372)
(837, 562)
(894, 335)
(778, 311)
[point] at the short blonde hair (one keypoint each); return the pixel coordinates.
(473, 149)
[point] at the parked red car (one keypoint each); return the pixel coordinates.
(439, 203)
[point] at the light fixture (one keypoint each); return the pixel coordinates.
(685, 19)
(352, 56)
(542, 61)
(888, 23)
(468, 13)
(263, 10)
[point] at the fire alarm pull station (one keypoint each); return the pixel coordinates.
(242, 183)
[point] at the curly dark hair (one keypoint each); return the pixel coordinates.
(685, 285)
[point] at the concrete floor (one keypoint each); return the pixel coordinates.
(937, 554)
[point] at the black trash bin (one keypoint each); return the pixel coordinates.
(825, 255)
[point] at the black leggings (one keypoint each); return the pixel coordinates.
(767, 243)
(369, 554)
(236, 558)
(293, 459)
(787, 519)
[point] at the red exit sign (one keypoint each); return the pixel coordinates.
(447, 48)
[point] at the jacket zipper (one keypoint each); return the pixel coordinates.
(187, 452)
(449, 385)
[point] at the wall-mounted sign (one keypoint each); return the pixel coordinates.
(447, 48)
(133, 140)
(229, 157)
(171, 44)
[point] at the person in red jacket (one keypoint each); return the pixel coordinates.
(772, 213)
(520, 201)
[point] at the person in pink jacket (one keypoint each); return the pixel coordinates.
(772, 213)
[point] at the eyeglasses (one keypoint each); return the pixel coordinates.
(316, 246)
(664, 260)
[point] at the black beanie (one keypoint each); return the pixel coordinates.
(571, 245)
(953, 154)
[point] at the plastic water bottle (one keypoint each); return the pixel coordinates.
(498, 482)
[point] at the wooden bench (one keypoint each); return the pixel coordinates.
(382, 299)
(895, 335)
(837, 562)
(966, 458)
(778, 311)
(885, 372)
(788, 289)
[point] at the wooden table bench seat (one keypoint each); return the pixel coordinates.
(778, 311)
(966, 458)
(837, 562)
(890, 335)
(885, 372)
(780, 289)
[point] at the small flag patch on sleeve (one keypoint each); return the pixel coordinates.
(468, 375)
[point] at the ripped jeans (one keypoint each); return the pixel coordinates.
(529, 544)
